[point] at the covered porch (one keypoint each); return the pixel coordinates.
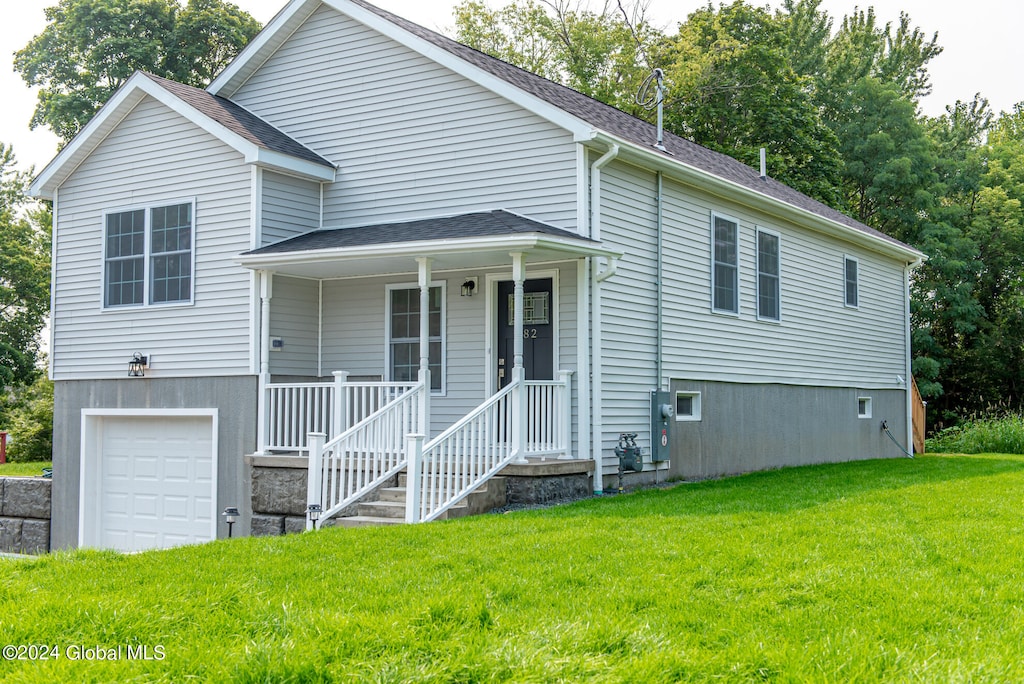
(354, 377)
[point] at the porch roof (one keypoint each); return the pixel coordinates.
(473, 240)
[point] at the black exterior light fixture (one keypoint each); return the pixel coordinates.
(314, 510)
(468, 287)
(137, 366)
(230, 516)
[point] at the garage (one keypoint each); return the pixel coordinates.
(148, 478)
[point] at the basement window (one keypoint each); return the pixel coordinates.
(688, 406)
(863, 407)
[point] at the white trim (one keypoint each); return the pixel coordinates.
(846, 293)
(490, 315)
(147, 210)
(91, 441)
(866, 413)
(388, 288)
(696, 406)
(53, 284)
(757, 273)
(711, 283)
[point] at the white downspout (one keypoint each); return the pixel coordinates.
(909, 378)
(597, 278)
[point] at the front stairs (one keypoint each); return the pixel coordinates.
(389, 507)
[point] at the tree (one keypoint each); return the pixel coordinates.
(24, 274)
(734, 90)
(600, 54)
(89, 48)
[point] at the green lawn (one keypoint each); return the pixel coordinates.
(29, 469)
(896, 570)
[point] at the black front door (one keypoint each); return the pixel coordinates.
(538, 330)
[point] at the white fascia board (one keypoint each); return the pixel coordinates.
(523, 242)
(728, 189)
(292, 166)
(259, 49)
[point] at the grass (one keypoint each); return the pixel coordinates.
(29, 469)
(895, 570)
(1000, 434)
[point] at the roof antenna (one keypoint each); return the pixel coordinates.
(648, 100)
(764, 166)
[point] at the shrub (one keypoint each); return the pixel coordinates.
(1003, 434)
(31, 423)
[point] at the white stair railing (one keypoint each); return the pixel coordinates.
(346, 468)
(448, 468)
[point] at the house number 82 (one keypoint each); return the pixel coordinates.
(530, 333)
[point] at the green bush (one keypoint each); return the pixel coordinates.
(993, 435)
(30, 429)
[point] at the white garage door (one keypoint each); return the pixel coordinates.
(155, 482)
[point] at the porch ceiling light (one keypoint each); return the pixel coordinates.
(137, 365)
(469, 287)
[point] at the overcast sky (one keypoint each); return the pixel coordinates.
(983, 50)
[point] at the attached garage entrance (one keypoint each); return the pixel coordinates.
(148, 478)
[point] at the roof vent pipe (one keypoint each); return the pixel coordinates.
(764, 166)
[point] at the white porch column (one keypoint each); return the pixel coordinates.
(519, 410)
(266, 292)
(424, 372)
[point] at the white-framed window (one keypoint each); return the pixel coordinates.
(403, 332)
(149, 255)
(863, 407)
(851, 279)
(769, 302)
(687, 406)
(725, 283)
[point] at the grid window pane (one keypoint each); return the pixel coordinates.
(725, 285)
(124, 258)
(768, 296)
(851, 283)
(404, 334)
(171, 254)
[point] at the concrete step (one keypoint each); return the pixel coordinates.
(365, 521)
(392, 494)
(382, 509)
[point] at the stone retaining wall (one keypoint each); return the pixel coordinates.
(25, 514)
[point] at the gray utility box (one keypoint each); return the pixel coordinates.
(661, 425)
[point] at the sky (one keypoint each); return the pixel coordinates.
(982, 50)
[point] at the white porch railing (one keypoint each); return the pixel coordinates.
(291, 411)
(347, 467)
(451, 466)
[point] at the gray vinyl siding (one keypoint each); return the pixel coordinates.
(291, 206)
(294, 318)
(817, 342)
(154, 156)
(411, 138)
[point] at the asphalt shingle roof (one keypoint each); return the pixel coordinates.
(239, 120)
(623, 125)
(477, 224)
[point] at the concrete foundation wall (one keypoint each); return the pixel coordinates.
(747, 427)
(25, 514)
(233, 397)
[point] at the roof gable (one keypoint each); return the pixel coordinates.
(259, 142)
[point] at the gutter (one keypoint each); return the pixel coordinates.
(598, 277)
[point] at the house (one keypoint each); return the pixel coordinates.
(257, 254)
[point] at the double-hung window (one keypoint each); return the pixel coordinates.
(768, 295)
(403, 318)
(851, 279)
(725, 289)
(148, 256)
